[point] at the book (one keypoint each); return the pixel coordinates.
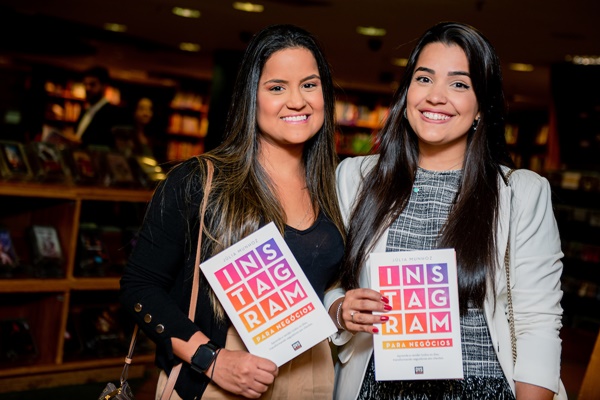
(421, 339)
(267, 296)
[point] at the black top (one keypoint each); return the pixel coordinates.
(99, 131)
(157, 283)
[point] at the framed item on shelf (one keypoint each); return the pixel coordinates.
(93, 256)
(53, 135)
(16, 341)
(46, 246)
(82, 166)
(47, 161)
(13, 158)
(119, 170)
(8, 257)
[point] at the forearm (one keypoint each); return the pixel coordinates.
(526, 391)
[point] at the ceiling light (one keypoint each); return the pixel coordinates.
(248, 7)
(520, 67)
(370, 31)
(109, 26)
(400, 62)
(186, 12)
(186, 46)
(583, 60)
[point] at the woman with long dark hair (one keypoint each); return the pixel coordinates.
(276, 163)
(441, 180)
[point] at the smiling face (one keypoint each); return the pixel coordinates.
(290, 104)
(143, 111)
(441, 103)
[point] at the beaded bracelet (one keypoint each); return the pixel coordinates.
(337, 315)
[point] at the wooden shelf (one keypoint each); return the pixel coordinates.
(33, 285)
(40, 379)
(69, 192)
(94, 283)
(47, 304)
(31, 189)
(75, 365)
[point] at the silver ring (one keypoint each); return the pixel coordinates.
(352, 315)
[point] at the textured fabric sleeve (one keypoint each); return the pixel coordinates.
(536, 267)
(153, 284)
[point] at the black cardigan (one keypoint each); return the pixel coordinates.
(155, 284)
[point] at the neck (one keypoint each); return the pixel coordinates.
(438, 164)
(281, 162)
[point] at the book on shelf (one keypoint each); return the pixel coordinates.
(267, 296)
(421, 339)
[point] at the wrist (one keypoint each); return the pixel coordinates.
(204, 357)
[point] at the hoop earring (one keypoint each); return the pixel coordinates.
(475, 124)
(405, 116)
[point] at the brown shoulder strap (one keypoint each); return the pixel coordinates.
(170, 386)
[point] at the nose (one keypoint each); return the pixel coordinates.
(437, 94)
(296, 100)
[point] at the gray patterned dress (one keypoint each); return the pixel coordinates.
(418, 228)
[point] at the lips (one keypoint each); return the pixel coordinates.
(295, 118)
(435, 116)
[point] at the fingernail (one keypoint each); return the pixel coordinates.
(387, 307)
(384, 318)
(375, 330)
(385, 299)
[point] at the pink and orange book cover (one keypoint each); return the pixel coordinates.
(421, 339)
(268, 298)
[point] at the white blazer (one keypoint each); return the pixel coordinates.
(535, 268)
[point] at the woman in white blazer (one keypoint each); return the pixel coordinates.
(441, 180)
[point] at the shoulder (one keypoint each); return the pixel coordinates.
(357, 165)
(183, 178)
(529, 189)
(524, 180)
(350, 175)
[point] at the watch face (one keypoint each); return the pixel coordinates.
(204, 357)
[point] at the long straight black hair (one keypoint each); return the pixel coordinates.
(471, 224)
(243, 196)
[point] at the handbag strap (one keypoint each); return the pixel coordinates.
(129, 357)
(511, 315)
(170, 386)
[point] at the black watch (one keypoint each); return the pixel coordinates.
(204, 356)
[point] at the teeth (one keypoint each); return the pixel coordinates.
(435, 116)
(295, 118)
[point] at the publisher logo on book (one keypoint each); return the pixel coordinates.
(296, 345)
(419, 370)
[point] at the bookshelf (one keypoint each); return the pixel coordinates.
(57, 347)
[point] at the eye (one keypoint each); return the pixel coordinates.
(309, 85)
(461, 85)
(276, 88)
(423, 79)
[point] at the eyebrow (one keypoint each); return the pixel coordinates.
(452, 73)
(308, 78)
